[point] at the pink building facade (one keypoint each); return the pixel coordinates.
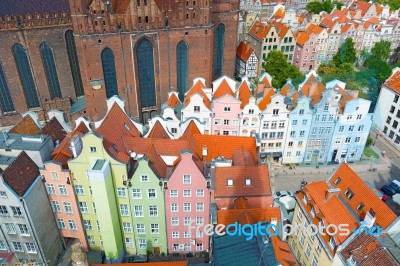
(226, 115)
(61, 193)
(187, 202)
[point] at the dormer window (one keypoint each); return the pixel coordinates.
(248, 182)
(227, 109)
(305, 199)
(349, 194)
(312, 212)
(360, 206)
(230, 182)
(337, 181)
(332, 242)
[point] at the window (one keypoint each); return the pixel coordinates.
(174, 221)
(121, 192)
(26, 76)
(217, 121)
(3, 194)
(230, 182)
(199, 220)
(109, 72)
(288, 154)
(280, 135)
(47, 55)
(187, 179)
(87, 225)
(186, 234)
(175, 234)
(360, 206)
(226, 122)
(302, 239)
(153, 211)
(275, 111)
(91, 240)
(124, 210)
(136, 193)
(10, 228)
(54, 176)
(248, 182)
(173, 193)
(127, 227)
(301, 111)
(142, 243)
(225, 133)
(79, 190)
(154, 228)
(63, 190)
(290, 144)
(186, 207)
(30, 248)
(187, 221)
(93, 149)
(74, 63)
(357, 139)
(349, 117)
(349, 194)
(60, 224)
(308, 250)
(347, 140)
(200, 193)
(300, 143)
(200, 207)
(3, 210)
(341, 128)
(304, 122)
(56, 206)
(199, 246)
(174, 207)
(17, 246)
(292, 133)
(332, 242)
(388, 120)
(6, 102)
(187, 193)
(361, 128)
(83, 207)
(196, 109)
(129, 242)
(319, 248)
(281, 124)
(151, 193)
(50, 189)
(314, 261)
(140, 229)
(144, 178)
(72, 224)
(227, 109)
(182, 70)
(337, 181)
(297, 153)
(67, 207)
(351, 128)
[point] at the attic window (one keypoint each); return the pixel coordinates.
(337, 181)
(230, 182)
(248, 182)
(349, 194)
(127, 127)
(92, 149)
(360, 206)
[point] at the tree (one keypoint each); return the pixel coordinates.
(346, 53)
(338, 4)
(280, 70)
(382, 69)
(314, 7)
(381, 51)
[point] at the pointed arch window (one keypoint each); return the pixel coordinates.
(145, 63)
(110, 75)
(219, 51)
(50, 69)
(26, 76)
(6, 103)
(74, 63)
(182, 68)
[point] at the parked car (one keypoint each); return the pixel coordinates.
(282, 193)
(137, 258)
(388, 190)
(395, 185)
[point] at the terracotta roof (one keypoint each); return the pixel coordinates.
(244, 51)
(198, 88)
(21, 173)
(244, 94)
(191, 130)
(169, 263)
(223, 89)
(173, 100)
(268, 92)
(360, 5)
(158, 132)
(280, 13)
(242, 157)
(266, 81)
(393, 82)
(346, 27)
(113, 128)
(302, 37)
(282, 252)
(374, 20)
(156, 162)
(281, 28)
(315, 29)
(259, 181)
(362, 194)
(26, 126)
(218, 145)
(54, 129)
(259, 30)
(240, 203)
(171, 147)
(366, 250)
(314, 90)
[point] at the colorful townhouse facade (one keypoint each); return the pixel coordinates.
(246, 61)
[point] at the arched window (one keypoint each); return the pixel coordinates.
(6, 103)
(219, 51)
(25, 74)
(74, 63)
(182, 68)
(50, 69)
(110, 75)
(145, 63)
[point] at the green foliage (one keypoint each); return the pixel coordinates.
(280, 70)
(345, 54)
(394, 4)
(332, 69)
(369, 141)
(382, 68)
(338, 4)
(317, 7)
(380, 51)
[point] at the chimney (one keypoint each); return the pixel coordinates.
(331, 192)
(205, 151)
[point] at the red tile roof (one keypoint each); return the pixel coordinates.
(360, 5)
(26, 126)
(158, 132)
(173, 100)
(244, 94)
(156, 162)
(218, 145)
(243, 157)
(241, 203)
(362, 194)
(198, 88)
(268, 93)
(244, 51)
(314, 90)
(191, 130)
(259, 181)
(163, 146)
(302, 37)
(223, 89)
(259, 30)
(54, 129)
(21, 173)
(314, 29)
(113, 128)
(393, 82)
(281, 28)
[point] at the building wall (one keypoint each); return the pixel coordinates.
(204, 115)
(220, 115)
(250, 122)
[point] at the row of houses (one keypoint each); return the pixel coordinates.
(315, 39)
(314, 123)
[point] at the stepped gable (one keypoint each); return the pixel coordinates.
(223, 89)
